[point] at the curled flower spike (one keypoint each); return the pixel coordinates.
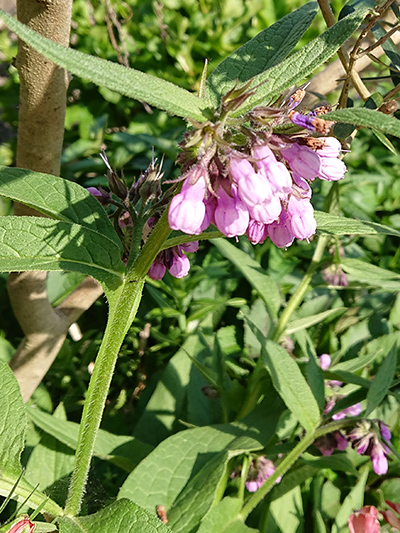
(258, 186)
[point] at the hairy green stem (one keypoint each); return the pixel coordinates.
(288, 461)
(301, 290)
(122, 310)
(124, 302)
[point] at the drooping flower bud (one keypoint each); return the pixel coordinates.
(187, 210)
(231, 215)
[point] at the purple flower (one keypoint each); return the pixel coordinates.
(174, 260)
(187, 209)
(330, 442)
(325, 361)
(260, 470)
(320, 162)
(302, 222)
(231, 215)
(280, 231)
(353, 410)
(276, 173)
(367, 439)
(256, 232)
(253, 188)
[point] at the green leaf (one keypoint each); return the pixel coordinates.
(370, 275)
(288, 381)
(308, 321)
(122, 516)
(13, 424)
(179, 458)
(360, 116)
(124, 451)
(382, 381)
(168, 401)
(252, 271)
(264, 51)
(36, 243)
(286, 514)
(126, 81)
(12, 440)
(50, 460)
(334, 225)
(272, 82)
(225, 518)
(198, 496)
(354, 500)
(57, 198)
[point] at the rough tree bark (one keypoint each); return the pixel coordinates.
(40, 136)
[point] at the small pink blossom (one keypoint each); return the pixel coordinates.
(364, 521)
(24, 525)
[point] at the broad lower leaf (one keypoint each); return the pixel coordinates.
(225, 518)
(57, 198)
(162, 475)
(13, 424)
(36, 243)
(126, 81)
(272, 82)
(121, 516)
(264, 51)
(360, 116)
(382, 381)
(124, 451)
(289, 382)
(198, 496)
(334, 225)
(255, 275)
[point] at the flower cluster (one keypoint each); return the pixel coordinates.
(174, 260)
(260, 188)
(370, 438)
(367, 437)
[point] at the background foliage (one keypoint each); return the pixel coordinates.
(191, 332)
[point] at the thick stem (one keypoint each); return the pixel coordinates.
(122, 311)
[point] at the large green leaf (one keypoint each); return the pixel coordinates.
(360, 116)
(122, 450)
(252, 271)
(162, 475)
(126, 81)
(57, 198)
(272, 82)
(36, 243)
(264, 51)
(121, 516)
(198, 496)
(335, 225)
(13, 423)
(288, 381)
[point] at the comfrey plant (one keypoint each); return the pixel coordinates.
(248, 158)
